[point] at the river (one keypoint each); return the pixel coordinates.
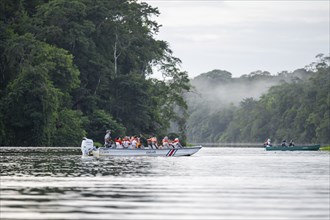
(215, 183)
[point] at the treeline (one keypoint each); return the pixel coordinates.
(289, 105)
(74, 68)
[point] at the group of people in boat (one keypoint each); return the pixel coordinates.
(140, 142)
(284, 143)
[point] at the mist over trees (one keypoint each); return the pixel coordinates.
(253, 107)
(76, 68)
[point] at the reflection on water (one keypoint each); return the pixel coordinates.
(58, 163)
(216, 183)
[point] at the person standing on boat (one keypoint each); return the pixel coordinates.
(107, 138)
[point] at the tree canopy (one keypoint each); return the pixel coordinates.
(79, 67)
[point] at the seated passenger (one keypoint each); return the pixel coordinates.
(166, 143)
(176, 143)
(149, 143)
(119, 143)
(284, 143)
(133, 142)
(265, 143)
(291, 144)
(126, 142)
(138, 142)
(152, 142)
(143, 141)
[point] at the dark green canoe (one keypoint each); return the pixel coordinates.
(292, 148)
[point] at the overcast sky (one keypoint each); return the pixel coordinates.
(244, 36)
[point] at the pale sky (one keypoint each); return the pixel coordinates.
(244, 36)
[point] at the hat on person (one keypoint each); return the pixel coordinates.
(108, 131)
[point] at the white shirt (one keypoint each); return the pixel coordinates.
(106, 137)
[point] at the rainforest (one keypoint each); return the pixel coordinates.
(71, 69)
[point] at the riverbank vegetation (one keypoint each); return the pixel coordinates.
(251, 108)
(76, 68)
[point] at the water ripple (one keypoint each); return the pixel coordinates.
(217, 183)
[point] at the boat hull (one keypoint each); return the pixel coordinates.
(293, 148)
(186, 151)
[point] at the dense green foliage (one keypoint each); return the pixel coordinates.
(79, 67)
(296, 106)
(74, 68)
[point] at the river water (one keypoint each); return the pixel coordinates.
(215, 183)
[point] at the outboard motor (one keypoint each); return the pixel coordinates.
(87, 146)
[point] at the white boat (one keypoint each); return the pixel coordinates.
(88, 149)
